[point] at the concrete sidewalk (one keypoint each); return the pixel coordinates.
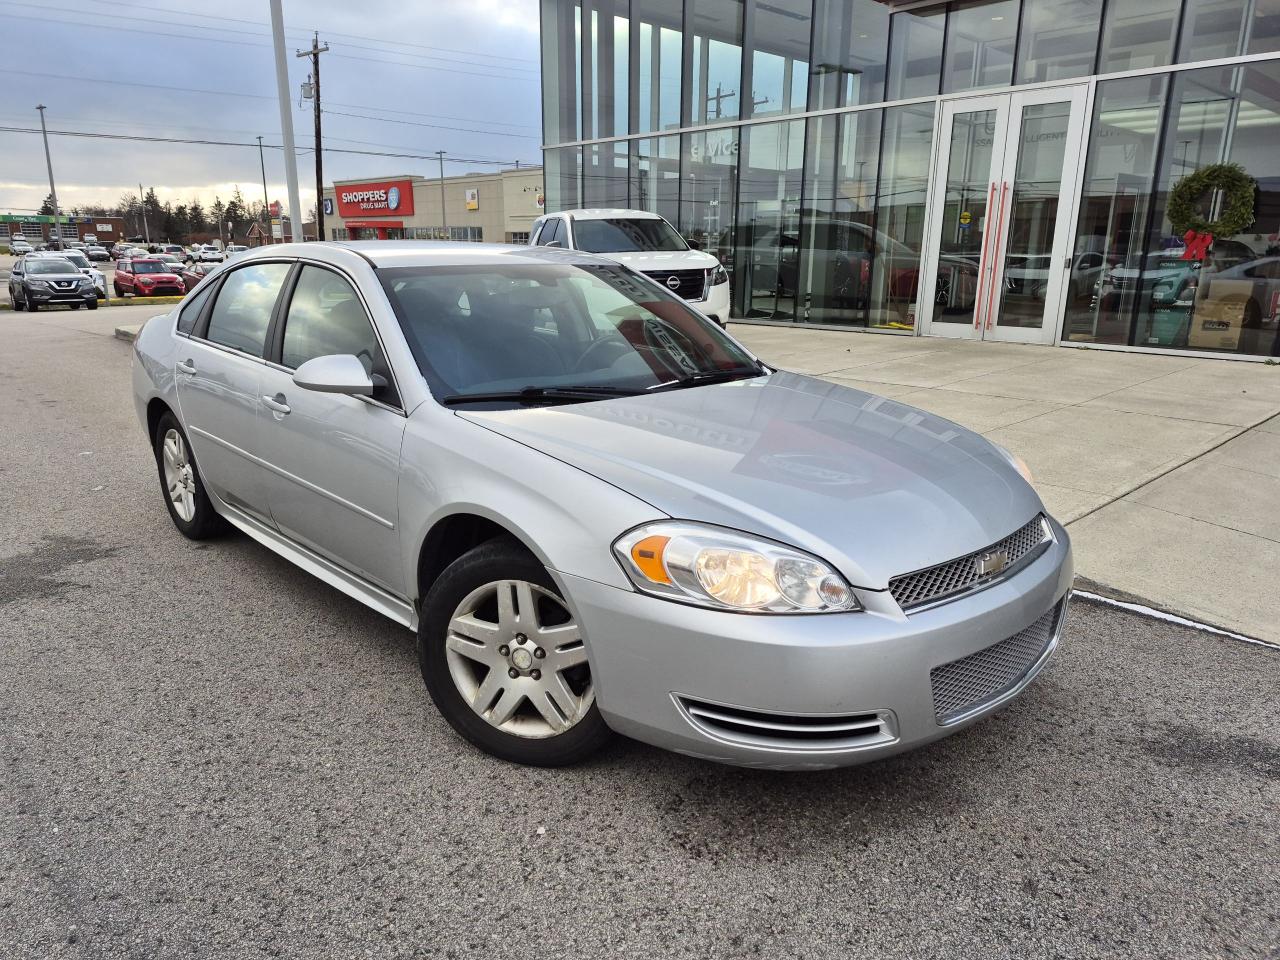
(1165, 469)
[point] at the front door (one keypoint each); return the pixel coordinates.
(999, 222)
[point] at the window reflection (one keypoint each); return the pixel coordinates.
(1057, 40)
(904, 180)
(780, 63)
(559, 71)
(915, 57)
(768, 223)
(604, 175)
(979, 46)
(561, 169)
(1138, 34)
(657, 26)
(850, 53)
(717, 59)
(1228, 28)
(655, 178)
(708, 191)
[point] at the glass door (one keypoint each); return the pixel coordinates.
(999, 225)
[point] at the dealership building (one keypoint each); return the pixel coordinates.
(496, 207)
(1007, 170)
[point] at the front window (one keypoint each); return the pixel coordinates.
(553, 332)
(150, 266)
(79, 260)
(51, 265)
(622, 235)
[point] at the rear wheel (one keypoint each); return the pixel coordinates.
(184, 493)
(505, 661)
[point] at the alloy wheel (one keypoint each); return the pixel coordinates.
(179, 476)
(517, 657)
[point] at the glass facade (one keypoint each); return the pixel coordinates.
(810, 146)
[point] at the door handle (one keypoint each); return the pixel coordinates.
(983, 264)
(277, 403)
(996, 254)
(186, 366)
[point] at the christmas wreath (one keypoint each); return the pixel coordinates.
(1238, 190)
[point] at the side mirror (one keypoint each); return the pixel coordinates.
(338, 373)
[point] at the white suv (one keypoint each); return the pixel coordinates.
(645, 242)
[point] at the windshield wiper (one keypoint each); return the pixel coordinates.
(708, 376)
(535, 395)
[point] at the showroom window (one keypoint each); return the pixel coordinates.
(561, 175)
(657, 37)
(850, 53)
(767, 245)
(979, 45)
(904, 181)
(655, 176)
(605, 56)
(915, 55)
(1228, 28)
(604, 174)
(780, 60)
(708, 191)
(561, 19)
(1057, 40)
(1138, 34)
(715, 43)
(838, 237)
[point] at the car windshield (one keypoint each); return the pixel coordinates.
(530, 330)
(79, 259)
(150, 266)
(51, 265)
(622, 234)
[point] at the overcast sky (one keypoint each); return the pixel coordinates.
(455, 75)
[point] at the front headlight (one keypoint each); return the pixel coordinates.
(713, 567)
(718, 276)
(41, 284)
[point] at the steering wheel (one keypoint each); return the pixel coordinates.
(609, 342)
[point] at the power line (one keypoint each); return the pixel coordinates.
(251, 96)
(438, 126)
(353, 36)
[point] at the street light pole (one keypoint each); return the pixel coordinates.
(53, 191)
(142, 205)
(444, 217)
(266, 202)
(286, 118)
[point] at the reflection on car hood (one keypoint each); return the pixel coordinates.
(872, 485)
(665, 260)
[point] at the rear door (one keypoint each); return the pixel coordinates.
(218, 373)
(333, 461)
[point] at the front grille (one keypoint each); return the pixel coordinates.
(755, 728)
(978, 679)
(954, 576)
(692, 283)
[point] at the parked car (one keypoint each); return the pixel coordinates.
(81, 262)
(175, 249)
(97, 253)
(597, 509)
(146, 277)
(207, 253)
(173, 260)
(645, 242)
(1141, 274)
(233, 249)
(19, 247)
(192, 273)
(37, 281)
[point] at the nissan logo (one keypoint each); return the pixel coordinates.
(673, 282)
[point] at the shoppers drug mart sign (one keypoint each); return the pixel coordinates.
(381, 198)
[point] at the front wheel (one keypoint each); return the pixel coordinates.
(505, 661)
(91, 304)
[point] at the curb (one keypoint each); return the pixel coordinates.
(128, 332)
(121, 301)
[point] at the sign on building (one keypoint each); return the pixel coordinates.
(379, 198)
(473, 199)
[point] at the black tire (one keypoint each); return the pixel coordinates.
(75, 306)
(15, 302)
(205, 521)
(499, 559)
(33, 307)
(92, 304)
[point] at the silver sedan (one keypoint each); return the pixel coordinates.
(598, 511)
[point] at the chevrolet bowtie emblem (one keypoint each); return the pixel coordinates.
(992, 561)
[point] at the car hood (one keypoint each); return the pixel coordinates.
(75, 275)
(665, 260)
(871, 485)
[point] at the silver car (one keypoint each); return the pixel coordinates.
(598, 511)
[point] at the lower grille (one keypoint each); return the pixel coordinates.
(756, 728)
(963, 573)
(689, 284)
(978, 679)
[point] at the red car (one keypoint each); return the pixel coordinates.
(193, 273)
(146, 277)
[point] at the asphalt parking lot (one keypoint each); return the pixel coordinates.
(207, 753)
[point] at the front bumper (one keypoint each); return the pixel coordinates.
(716, 305)
(43, 297)
(656, 664)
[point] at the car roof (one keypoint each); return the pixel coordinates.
(608, 213)
(422, 253)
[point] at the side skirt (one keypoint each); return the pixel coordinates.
(387, 604)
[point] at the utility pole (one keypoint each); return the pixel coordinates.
(266, 202)
(314, 54)
(444, 218)
(142, 202)
(286, 117)
(53, 192)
